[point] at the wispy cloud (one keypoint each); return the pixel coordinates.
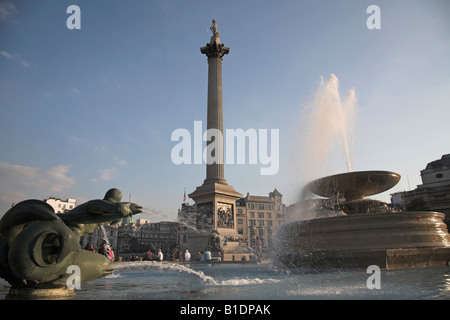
(7, 9)
(24, 63)
(75, 139)
(99, 148)
(22, 182)
(6, 54)
(119, 161)
(106, 174)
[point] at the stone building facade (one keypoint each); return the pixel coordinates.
(61, 206)
(259, 217)
(434, 190)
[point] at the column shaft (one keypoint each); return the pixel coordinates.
(215, 171)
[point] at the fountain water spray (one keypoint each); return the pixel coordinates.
(145, 266)
(329, 118)
(105, 236)
(366, 234)
(327, 127)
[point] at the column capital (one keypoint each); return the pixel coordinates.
(215, 50)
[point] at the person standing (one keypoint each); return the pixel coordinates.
(148, 256)
(111, 254)
(89, 247)
(106, 251)
(187, 256)
(207, 255)
(160, 256)
(201, 256)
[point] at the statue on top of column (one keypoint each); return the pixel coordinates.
(214, 49)
(214, 27)
(216, 36)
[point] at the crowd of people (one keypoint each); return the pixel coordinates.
(104, 249)
(168, 255)
(181, 255)
(159, 255)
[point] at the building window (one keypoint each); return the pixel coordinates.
(261, 223)
(269, 215)
(240, 221)
(261, 215)
(251, 206)
(252, 214)
(253, 222)
(260, 207)
(239, 210)
(240, 231)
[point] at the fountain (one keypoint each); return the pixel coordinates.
(39, 250)
(364, 235)
(360, 231)
(352, 187)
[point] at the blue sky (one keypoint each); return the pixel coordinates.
(85, 110)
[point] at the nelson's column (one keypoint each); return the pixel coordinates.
(215, 199)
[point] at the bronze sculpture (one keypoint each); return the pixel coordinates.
(37, 245)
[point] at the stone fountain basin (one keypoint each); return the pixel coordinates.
(354, 185)
(389, 240)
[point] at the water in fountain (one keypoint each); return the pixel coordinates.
(329, 122)
(173, 281)
(327, 128)
(105, 236)
(147, 266)
(153, 212)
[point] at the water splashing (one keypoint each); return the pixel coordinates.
(105, 236)
(330, 122)
(154, 212)
(143, 266)
(325, 137)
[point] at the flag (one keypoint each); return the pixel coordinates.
(184, 198)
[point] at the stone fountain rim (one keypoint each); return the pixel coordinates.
(315, 185)
(405, 215)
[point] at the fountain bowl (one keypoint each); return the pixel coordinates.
(353, 185)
